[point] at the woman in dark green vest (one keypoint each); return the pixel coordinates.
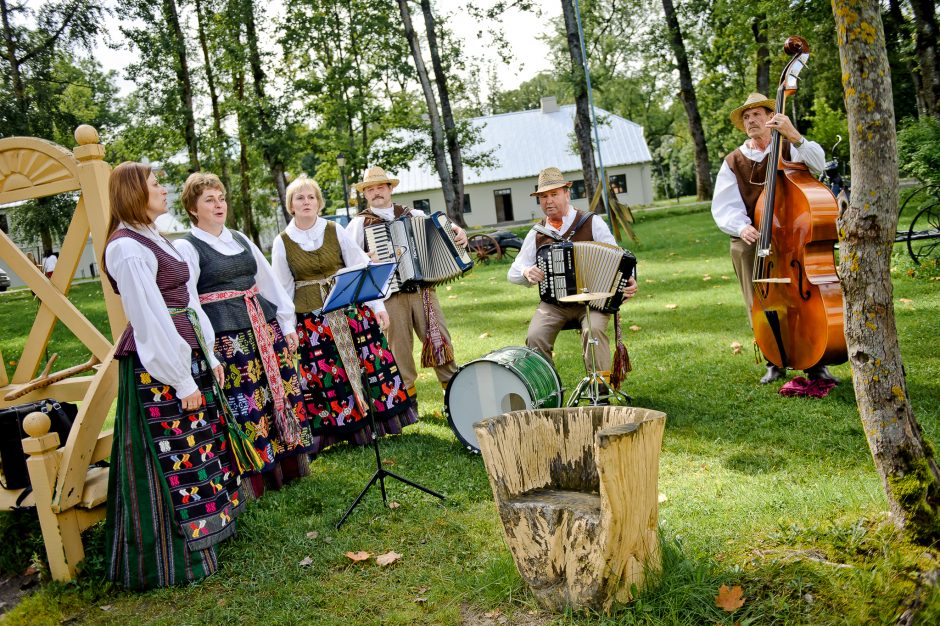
(336, 348)
(252, 334)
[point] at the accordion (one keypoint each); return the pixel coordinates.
(575, 267)
(424, 247)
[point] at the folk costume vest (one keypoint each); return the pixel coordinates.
(751, 176)
(220, 272)
(576, 232)
(311, 267)
(172, 274)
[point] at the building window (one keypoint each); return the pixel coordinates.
(535, 187)
(423, 205)
(577, 190)
(4, 225)
(618, 183)
(466, 203)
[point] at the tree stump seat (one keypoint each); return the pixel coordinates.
(577, 493)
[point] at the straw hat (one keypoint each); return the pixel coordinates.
(550, 178)
(375, 176)
(753, 101)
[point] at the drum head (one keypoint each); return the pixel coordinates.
(482, 389)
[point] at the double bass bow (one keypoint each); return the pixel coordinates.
(797, 312)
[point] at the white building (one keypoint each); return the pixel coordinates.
(523, 144)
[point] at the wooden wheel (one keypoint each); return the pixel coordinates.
(483, 248)
(923, 237)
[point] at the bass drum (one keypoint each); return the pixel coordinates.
(508, 379)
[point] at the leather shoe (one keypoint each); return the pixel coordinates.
(821, 372)
(773, 373)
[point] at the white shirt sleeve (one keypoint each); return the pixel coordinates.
(355, 231)
(810, 153)
(280, 267)
(270, 287)
(728, 208)
(524, 260)
(600, 231)
(161, 349)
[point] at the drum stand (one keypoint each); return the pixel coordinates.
(590, 387)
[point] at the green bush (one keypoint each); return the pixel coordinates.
(919, 149)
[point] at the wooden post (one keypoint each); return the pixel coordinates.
(61, 533)
(577, 492)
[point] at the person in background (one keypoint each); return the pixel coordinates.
(174, 487)
(49, 260)
(338, 346)
(253, 333)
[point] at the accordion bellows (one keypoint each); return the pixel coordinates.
(584, 266)
(425, 247)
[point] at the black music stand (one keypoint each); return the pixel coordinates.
(353, 287)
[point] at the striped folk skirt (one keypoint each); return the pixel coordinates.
(334, 349)
(173, 489)
(250, 397)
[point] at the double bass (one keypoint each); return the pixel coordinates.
(797, 312)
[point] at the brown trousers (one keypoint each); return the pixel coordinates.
(742, 258)
(407, 319)
(549, 320)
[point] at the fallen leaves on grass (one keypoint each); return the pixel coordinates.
(393, 505)
(355, 557)
(634, 328)
(905, 300)
(105, 607)
(706, 277)
(389, 461)
(451, 297)
(672, 307)
(730, 599)
(313, 534)
(736, 347)
(388, 558)
(484, 336)
(306, 562)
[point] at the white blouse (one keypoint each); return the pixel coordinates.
(161, 349)
(309, 240)
(268, 285)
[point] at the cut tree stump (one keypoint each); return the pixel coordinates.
(577, 492)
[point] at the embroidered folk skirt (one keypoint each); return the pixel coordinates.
(328, 379)
(173, 489)
(250, 397)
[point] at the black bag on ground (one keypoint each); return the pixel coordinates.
(12, 457)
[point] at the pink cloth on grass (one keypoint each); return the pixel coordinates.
(800, 386)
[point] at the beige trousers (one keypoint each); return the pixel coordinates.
(407, 319)
(549, 320)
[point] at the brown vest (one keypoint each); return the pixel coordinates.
(313, 265)
(752, 174)
(584, 233)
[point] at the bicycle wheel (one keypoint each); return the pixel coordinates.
(923, 237)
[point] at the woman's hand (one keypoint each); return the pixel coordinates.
(382, 318)
(219, 374)
(194, 400)
(292, 342)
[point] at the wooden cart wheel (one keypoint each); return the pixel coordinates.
(483, 248)
(923, 237)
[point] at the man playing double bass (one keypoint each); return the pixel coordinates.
(738, 187)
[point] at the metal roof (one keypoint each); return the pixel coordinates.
(525, 142)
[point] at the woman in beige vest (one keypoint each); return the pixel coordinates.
(336, 347)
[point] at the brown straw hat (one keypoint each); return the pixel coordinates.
(375, 176)
(753, 101)
(550, 178)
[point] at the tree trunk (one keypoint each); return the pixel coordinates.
(703, 176)
(257, 73)
(220, 139)
(454, 210)
(185, 82)
(437, 132)
(244, 168)
(582, 119)
(759, 28)
(21, 124)
(925, 46)
(903, 459)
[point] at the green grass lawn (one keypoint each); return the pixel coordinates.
(777, 495)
